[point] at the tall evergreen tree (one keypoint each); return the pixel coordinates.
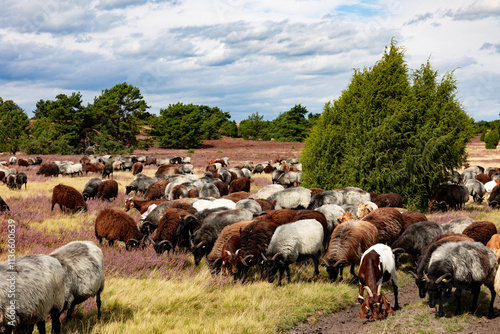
(291, 125)
(13, 123)
(389, 131)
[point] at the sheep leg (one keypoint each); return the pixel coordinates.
(341, 274)
(316, 264)
(70, 312)
(112, 242)
(475, 297)
(458, 296)
(352, 271)
(492, 300)
(98, 302)
(56, 323)
(287, 269)
(395, 289)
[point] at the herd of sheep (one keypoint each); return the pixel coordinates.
(217, 218)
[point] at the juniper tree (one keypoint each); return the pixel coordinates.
(391, 130)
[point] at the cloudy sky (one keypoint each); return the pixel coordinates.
(241, 56)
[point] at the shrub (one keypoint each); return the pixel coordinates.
(491, 139)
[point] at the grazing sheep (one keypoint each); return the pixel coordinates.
(112, 224)
(67, 197)
(416, 237)
(464, 266)
(137, 168)
(483, 178)
(326, 197)
(167, 169)
(480, 231)
(203, 204)
(178, 191)
(292, 243)
(10, 181)
(222, 187)
(107, 170)
(164, 237)
(38, 285)
(48, 170)
(22, 163)
(292, 198)
(494, 198)
(289, 179)
(83, 265)
(449, 195)
(347, 244)
(91, 187)
(240, 184)
(12, 160)
(117, 165)
(73, 169)
(21, 179)
(412, 217)
(93, 167)
(457, 225)
(107, 190)
(389, 223)
(186, 169)
(156, 190)
(140, 184)
(264, 204)
(391, 199)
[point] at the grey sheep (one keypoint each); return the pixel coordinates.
(289, 179)
(38, 291)
(249, 204)
(457, 225)
(209, 190)
(267, 191)
(91, 187)
(292, 198)
(140, 184)
(83, 265)
(416, 237)
(476, 190)
(331, 212)
(326, 197)
(291, 243)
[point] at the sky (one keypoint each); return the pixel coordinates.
(241, 56)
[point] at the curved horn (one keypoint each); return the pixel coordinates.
(161, 243)
(443, 277)
(263, 256)
(237, 251)
(326, 263)
(379, 290)
(426, 277)
(201, 244)
(152, 241)
(369, 291)
(228, 252)
(244, 260)
(276, 256)
(134, 240)
(399, 250)
(338, 263)
(413, 274)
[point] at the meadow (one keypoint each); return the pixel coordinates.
(150, 293)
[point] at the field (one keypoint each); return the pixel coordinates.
(149, 293)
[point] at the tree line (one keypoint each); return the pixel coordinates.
(112, 123)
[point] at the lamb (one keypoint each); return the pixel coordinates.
(465, 266)
(291, 243)
(67, 197)
(416, 237)
(389, 223)
(39, 291)
(292, 198)
(107, 190)
(113, 225)
(240, 184)
(480, 231)
(347, 244)
(83, 265)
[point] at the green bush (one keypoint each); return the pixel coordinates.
(491, 139)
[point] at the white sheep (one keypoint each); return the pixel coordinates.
(83, 266)
(267, 191)
(291, 198)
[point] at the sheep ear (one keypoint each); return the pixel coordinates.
(387, 305)
(364, 309)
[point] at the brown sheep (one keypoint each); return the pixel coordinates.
(94, 168)
(150, 161)
(48, 170)
(223, 188)
(112, 225)
(167, 169)
(240, 184)
(186, 206)
(363, 210)
(268, 169)
(346, 216)
(141, 205)
(391, 199)
(156, 190)
(315, 191)
(389, 222)
(237, 196)
(347, 244)
(483, 178)
(494, 245)
(2, 176)
(22, 163)
(194, 193)
(84, 160)
(265, 204)
(164, 237)
(412, 217)
(178, 191)
(107, 190)
(67, 197)
(137, 168)
(480, 231)
(211, 168)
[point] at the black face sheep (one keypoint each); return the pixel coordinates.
(204, 238)
(112, 224)
(91, 187)
(292, 243)
(10, 181)
(449, 195)
(416, 237)
(68, 198)
(292, 198)
(21, 179)
(389, 223)
(107, 170)
(480, 231)
(347, 244)
(377, 266)
(107, 190)
(38, 288)
(164, 237)
(83, 266)
(463, 266)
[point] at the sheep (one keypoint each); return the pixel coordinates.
(91, 187)
(331, 212)
(67, 197)
(93, 167)
(186, 169)
(240, 184)
(73, 169)
(483, 178)
(416, 237)
(465, 266)
(150, 223)
(117, 165)
(326, 197)
(488, 186)
(448, 194)
(20, 179)
(83, 265)
(289, 179)
(291, 198)
(267, 191)
(107, 170)
(494, 245)
(137, 168)
(391, 199)
(167, 170)
(165, 238)
(457, 225)
(365, 208)
(494, 197)
(12, 160)
(204, 238)
(202, 204)
(377, 266)
(48, 170)
(412, 217)
(264, 204)
(476, 190)
(22, 163)
(355, 196)
(3, 205)
(140, 183)
(209, 190)
(10, 181)
(276, 175)
(291, 243)
(389, 223)
(113, 225)
(480, 231)
(107, 190)
(347, 244)
(249, 204)
(35, 290)
(156, 190)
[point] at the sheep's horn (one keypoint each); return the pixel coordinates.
(134, 240)
(263, 256)
(276, 256)
(443, 277)
(370, 293)
(379, 289)
(152, 241)
(237, 251)
(326, 263)
(338, 263)
(228, 252)
(413, 274)
(164, 242)
(399, 250)
(426, 277)
(244, 260)
(201, 244)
